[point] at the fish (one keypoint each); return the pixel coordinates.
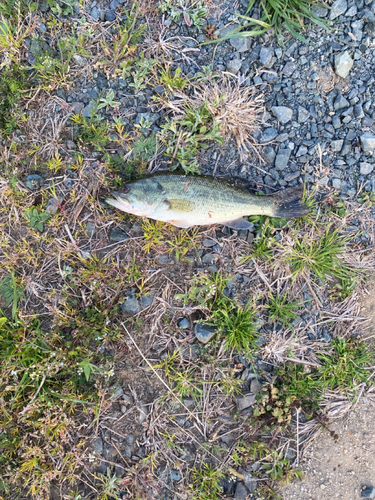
(189, 200)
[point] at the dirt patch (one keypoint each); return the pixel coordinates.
(368, 309)
(343, 468)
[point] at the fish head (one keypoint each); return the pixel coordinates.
(138, 198)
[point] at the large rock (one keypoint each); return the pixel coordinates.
(234, 66)
(204, 332)
(365, 168)
(343, 64)
(282, 158)
(337, 8)
(282, 113)
(368, 141)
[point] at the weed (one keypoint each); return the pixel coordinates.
(319, 256)
(108, 102)
(279, 15)
(182, 243)
(110, 486)
(368, 198)
(193, 12)
(265, 226)
(345, 366)
(152, 233)
(173, 81)
(142, 70)
(183, 137)
(92, 130)
(11, 291)
(281, 309)
(36, 219)
(206, 483)
(262, 250)
(13, 84)
(144, 147)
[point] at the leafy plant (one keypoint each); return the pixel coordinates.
(13, 84)
(184, 137)
(173, 81)
(11, 292)
(206, 483)
(93, 130)
(36, 219)
(193, 12)
(142, 69)
(107, 101)
(153, 233)
(367, 197)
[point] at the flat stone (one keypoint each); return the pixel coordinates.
(204, 332)
(109, 15)
(175, 475)
(340, 103)
(95, 13)
(289, 68)
(337, 8)
(52, 206)
(209, 258)
(268, 134)
(245, 401)
(80, 60)
(116, 392)
(336, 146)
(352, 11)
(90, 229)
(89, 109)
(164, 259)
(147, 300)
(241, 44)
(368, 492)
(291, 176)
(368, 141)
(365, 168)
(343, 64)
(117, 235)
(337, 183)
(149, 117)
(270, 154)
(131, 306)
(265, 56)
(97, 445)
(241, 492)
(282, 113)
(184, 323)
(208, 243)
(282, 158)
(303, 115)
(34, 182)
(234, 66)
(77, 107)
(250, 482)
(319, 11)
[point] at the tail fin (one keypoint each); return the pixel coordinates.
(288, 203)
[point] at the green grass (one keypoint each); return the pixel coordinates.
(319, 257)
(289, 15)
(206, 483)
(282, 309)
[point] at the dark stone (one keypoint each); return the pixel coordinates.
(109, 15)
(204, 332)
(245, 401)
(175, 475)
(368, 492)
(116, 235)
(97, 445)
(131, 305)
(184, 323)
(34, 182)
(241, 492)
(282, 158)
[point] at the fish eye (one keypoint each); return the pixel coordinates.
(125, 189)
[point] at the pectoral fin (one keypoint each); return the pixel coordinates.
(179, 205)
(179, 223)
(239, 224)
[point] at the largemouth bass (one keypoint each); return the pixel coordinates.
(185, 201)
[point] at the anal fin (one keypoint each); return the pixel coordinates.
(240, 224)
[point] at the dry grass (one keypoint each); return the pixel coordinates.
(238, 109)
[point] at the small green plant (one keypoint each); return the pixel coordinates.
(153, 233)
(184, 137)
(173, 81)
(109, 488)
(346, 365)
(13, 84)
(93, 130)
(11, 292)
(142, 70)
(368, 198)
(193, 12)
(36, 218)
(281, 309)
(180, 244)
(206, 483)
(279, 15)
(320, 256)
(108, 101)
